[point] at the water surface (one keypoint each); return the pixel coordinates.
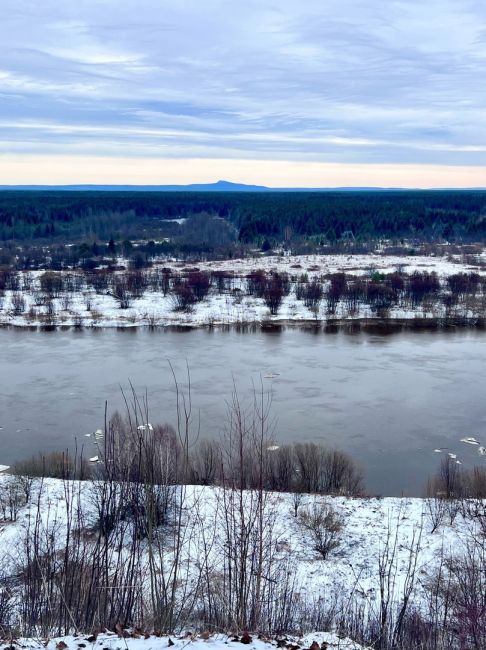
(387, 400)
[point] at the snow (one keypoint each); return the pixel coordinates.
(111, 641)
(470, 441)
(156, 310)
(350, 571)
(368, 524)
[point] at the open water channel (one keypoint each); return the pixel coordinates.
(389, 401)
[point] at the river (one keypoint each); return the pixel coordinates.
(387, 400)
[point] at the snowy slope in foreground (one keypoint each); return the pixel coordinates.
(369, 524)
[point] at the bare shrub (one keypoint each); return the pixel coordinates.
(341, 475)
(447, 485)
(474, 483)
(7, 603)
(12, 280)
(12, 497)
(205, 463)
(136, 283)
(27, 281)
(183, 297)
(469, 604)
(281, 475)
(66, 301)
(255, 282)
(50, 313)
(422, 284)
(312, 294)
(274, 290)
(131, 449)
(224, 280)
(51, 283)
(326, 471)
(165, 280)
(99, 280)
(199, 282)
(248, 546)
(297, 498)
(18, 303)
(436, 505)
(393, 608)
(122, 292)
(456, 598)
(39, 298)
(473, 505)
(55, 465)
(335, 291)
(324, 526)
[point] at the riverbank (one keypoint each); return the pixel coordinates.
(240, 293)
(381, 326)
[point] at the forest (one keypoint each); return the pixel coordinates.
(256, 217)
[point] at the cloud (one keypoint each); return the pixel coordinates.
(349, 82)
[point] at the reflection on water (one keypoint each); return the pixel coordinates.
(387, 400)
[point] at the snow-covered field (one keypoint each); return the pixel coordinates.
(233, 307)
(316, 265)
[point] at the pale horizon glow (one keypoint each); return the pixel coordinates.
(281, 94)
(86, 170)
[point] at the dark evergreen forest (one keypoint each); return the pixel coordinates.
(331, 215)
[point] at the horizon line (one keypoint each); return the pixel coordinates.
(229, 186)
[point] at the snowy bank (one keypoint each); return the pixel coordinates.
(87, 308)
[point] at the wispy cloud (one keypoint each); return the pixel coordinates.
(344, 81)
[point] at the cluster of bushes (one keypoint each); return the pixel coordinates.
(303, 468)
(458, 295)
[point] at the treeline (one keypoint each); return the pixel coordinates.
(280, 216)
(301, 468)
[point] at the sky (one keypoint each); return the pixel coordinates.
(312, 93)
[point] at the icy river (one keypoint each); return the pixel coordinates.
(389, 401)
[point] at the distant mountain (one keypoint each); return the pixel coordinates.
(219, 186)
